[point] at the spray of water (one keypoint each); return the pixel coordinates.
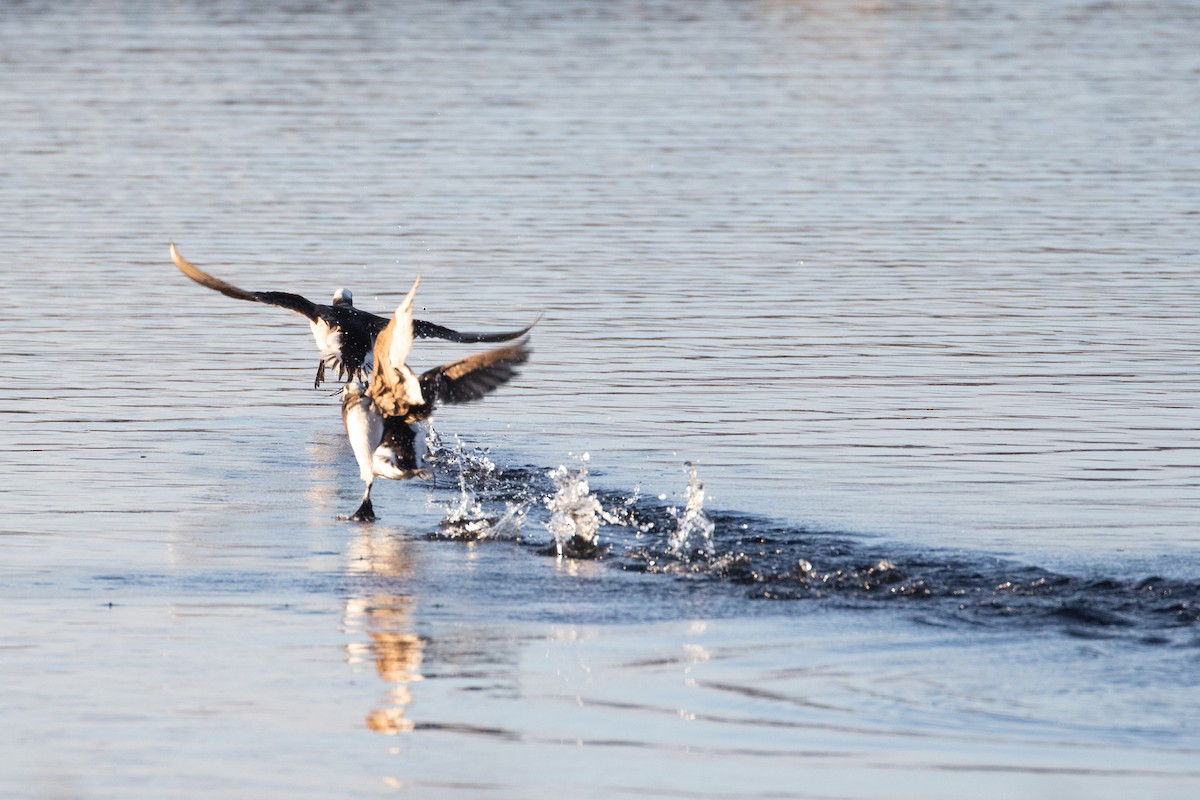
(471, 463)
(693, 534)
(575, 514)
(465, 517)
(464, 514)
(624, 512)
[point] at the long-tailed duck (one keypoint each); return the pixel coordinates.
(344, 334)
(381, 414)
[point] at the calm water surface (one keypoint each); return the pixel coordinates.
(914, 284)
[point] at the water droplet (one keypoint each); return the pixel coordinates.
(694, 530)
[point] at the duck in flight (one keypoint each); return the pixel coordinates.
(381, 414)
(345, 335)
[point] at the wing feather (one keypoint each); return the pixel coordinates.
(402, 329)
(292, 302)
(473, 377)
(430, 330)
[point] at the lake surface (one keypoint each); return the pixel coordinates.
(914, 286)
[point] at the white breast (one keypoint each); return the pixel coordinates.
(364, 428)
(329, 342)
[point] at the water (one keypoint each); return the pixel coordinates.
(693, 529)
(912, 285)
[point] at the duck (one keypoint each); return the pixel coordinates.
(382, 414)
(344, 333)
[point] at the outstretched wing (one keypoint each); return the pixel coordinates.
(429, 330)
(473, 377)
(292, 302)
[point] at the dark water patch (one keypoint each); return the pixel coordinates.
(768, 560)
(577, 548)
(474, 730)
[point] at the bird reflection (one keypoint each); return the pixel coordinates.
(381, 563)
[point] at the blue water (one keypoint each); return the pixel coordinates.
(913, 285)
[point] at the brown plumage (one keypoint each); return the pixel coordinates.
(381, 416)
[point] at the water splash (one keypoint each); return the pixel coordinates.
(508, 526)
(472, 464)
(624, 512)
(693, 534)
(773, 560)
(470, 522)
(465, 515)
(575, 513)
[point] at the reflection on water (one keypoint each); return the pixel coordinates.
(387, 620)
(396, 654)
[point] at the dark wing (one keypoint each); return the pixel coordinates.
(472, 377)
(375, 323)
(428, 330)
(292, 302)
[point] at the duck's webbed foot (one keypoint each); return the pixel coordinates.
(365, 513)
